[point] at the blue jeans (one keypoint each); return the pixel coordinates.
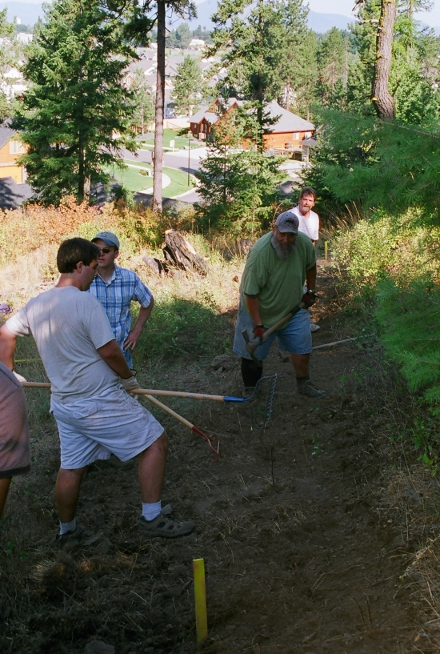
(295, 337)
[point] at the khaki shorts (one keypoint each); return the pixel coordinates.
(93, 428)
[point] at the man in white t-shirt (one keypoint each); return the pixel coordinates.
(308, 219)
(90, 381)
(308, 222)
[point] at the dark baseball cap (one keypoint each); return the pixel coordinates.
(107, 237)
(287, 222)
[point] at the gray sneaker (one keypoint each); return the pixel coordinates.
(165, 526)
(309, 390)
(71, 538)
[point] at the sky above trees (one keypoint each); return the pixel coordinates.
(343, 7)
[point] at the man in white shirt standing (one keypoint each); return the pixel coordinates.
(90, 383)
(308, 222)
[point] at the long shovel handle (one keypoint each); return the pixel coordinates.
(146, 393)
(160, 393)
(185, 422)
(252, 345)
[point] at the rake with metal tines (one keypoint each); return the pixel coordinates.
(148, 393)
(251, 399)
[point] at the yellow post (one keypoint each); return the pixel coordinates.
(200, 599)
(326, 250)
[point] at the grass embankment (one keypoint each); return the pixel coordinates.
(135, 179)
(169, 135)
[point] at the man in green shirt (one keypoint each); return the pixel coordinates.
(278, 266)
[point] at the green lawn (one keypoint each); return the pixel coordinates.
(170, 135)
(132, 179)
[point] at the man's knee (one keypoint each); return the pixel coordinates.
(159, 446)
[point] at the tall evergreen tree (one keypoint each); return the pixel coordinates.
(298, 65)
(332, 60)
(143, 101)
(10, 51)
(77, 114)
(249, 38)
(381, 98)
(146, 14)
(188, 86)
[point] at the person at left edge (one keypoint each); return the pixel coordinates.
(116, 288)
(15, 455)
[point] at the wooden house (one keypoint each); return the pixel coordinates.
(285, 136)
(10, 149)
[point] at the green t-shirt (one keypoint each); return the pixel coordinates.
(278, 283)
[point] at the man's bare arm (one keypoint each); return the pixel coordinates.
(311, 279)
(112, 355)
(8, 342)
(144, 314)
(253, 306)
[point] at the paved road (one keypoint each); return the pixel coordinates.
(180, 161)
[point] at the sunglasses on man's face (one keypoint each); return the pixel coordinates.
(104, 250)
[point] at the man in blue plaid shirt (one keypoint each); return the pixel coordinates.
(116, 288)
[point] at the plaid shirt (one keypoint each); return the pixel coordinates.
(116, 296)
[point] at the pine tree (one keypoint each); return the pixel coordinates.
(188, 86)
(10, 51)
(144, 15)
(332, 59)
(77, 114)
(143, 101)
(249, 38)
(298, 61)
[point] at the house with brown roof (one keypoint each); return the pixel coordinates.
(285, 136)
(10, 149)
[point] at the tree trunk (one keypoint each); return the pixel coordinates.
(160, 99)
(81, 172)
(381, 98)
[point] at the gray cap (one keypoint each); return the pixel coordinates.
(107, 237)
(287, 222)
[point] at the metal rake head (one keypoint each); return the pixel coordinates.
(261, 401)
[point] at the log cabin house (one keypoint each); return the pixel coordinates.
(286, 134)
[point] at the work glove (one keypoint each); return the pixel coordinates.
(259, 331)
(130, 384)
(20, 378)
(308, 299)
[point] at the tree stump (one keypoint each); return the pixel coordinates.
(179, 252)
(158, 267)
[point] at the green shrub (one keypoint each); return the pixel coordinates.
(410, 322)
(388, 247)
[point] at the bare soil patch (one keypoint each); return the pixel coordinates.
(305, 550)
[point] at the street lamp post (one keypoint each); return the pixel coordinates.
(189, 157)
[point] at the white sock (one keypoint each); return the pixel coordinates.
(67, 526)
(151, 511)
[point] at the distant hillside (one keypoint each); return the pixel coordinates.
(27, 12)
(322, 23)
(318, 22)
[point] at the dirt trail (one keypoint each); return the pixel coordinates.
(301, 556)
